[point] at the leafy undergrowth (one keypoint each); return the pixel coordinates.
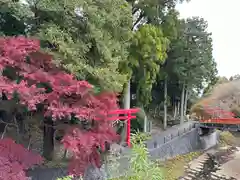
(141, 167)
(69, 178)
(174, 168)
(227, 139)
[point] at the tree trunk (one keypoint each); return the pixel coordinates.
(186, 101)
(175, 110)
(178, 108)
(126, 105)
(159, 110)
(4, 118)
(182, 105)
(48, 139)
(156, 112)
(145, 124)
(20, 122)
(165, 105)
(127, 98)
(173, 106)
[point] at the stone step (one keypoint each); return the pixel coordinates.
(215, 174)
(192, 170)
(199, 168)
(202, 161)
(214, 178)
(187, 178)
(192, 175)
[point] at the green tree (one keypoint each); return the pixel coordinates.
(151, 11)
(188, 67)
(144, 12)
(162, 15)
(12, 18)
(90, 38)
(147, 53)
(235, 77)
(191, 58)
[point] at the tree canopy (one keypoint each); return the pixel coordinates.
(70, 60)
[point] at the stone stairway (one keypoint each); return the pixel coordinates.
(205, 167)
(192, 175)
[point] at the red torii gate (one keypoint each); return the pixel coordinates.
(114, 115)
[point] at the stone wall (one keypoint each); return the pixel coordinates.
(175, 141)
(170, 134)
(185, 143)
(182, 141)
(171, 146)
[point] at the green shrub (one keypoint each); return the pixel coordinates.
(226, 138)
(65, 178)
(175, 167)
(141, 167)
(68, 178)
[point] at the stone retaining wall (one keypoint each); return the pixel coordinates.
(185, 143)
(176, 141)
(173, 146)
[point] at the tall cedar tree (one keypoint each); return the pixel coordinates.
(39, 82)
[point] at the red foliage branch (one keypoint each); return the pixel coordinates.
(15, 159)
(39, 81)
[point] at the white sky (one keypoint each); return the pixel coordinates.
(223, 21)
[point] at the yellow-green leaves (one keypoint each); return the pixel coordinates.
(141, 166)
(148, 51)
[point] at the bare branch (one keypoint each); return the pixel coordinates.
(4, 132)
(29, 142)
(9, 124)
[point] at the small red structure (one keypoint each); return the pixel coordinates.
(220, 116)
(127, 115)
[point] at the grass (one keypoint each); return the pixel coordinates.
(227, 139)
(174, 168)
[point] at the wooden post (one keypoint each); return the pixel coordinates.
(128, 129)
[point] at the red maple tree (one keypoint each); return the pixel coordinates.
(37, 80)
(15, 159)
